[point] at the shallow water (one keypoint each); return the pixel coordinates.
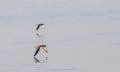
(81, 36)
(71, 49)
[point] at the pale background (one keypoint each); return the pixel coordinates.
(81, 35)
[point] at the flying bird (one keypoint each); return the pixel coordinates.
(44, 47)
(39, 25)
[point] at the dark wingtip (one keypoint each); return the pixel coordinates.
(34, 54)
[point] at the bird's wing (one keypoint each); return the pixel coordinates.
(45, 49)
(37, 50)
(37, 27)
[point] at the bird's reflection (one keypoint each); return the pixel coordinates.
(44, 60)
(36, 60)
(39, 35)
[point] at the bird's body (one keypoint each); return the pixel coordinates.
(44, 47)
(39, 25)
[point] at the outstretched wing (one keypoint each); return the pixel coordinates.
(37, 27)
(36, 52)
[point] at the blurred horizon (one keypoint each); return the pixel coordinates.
(60, 11)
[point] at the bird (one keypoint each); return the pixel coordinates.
(44, 47)
(39, 25)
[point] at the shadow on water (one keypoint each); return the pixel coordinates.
(44, 60)
(39, 35)
(36, 60)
